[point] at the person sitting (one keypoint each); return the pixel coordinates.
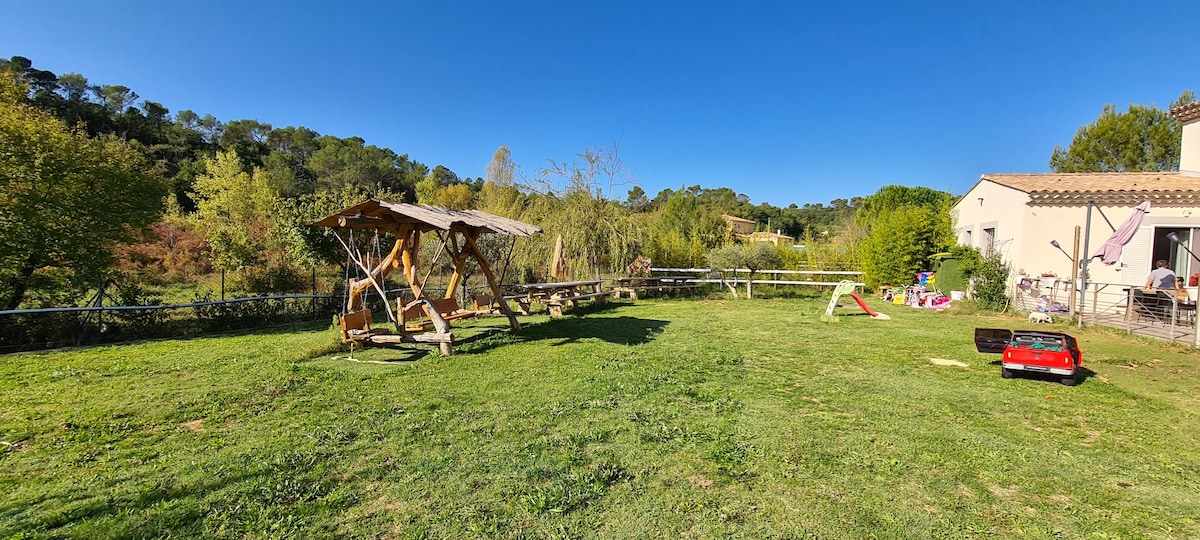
(1161, 277)
(1181, 294)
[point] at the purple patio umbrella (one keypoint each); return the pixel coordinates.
(1110, 252)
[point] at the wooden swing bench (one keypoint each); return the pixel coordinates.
(356, 329)
(416, 316)
(459, 232)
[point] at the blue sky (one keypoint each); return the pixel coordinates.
(786, 102)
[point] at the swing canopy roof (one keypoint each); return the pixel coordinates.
(375, 214)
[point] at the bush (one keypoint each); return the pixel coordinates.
(988, 277)
(280, 279)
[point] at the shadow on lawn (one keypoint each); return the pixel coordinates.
(1082, 374)
(575, 326)
(570, 329)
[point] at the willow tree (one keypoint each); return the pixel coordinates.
(597, 231)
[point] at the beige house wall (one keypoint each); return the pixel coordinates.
(1189, 157)
(740, 226)
(991, 206)
(1024, 232)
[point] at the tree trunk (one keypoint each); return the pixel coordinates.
(732, 288)
(20, 284)
(750, 285)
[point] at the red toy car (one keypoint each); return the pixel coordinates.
(1032, 350)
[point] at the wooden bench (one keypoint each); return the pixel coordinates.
(483, 303)
(415, 317)
(524, 302)
(633, 291)
(555, 304)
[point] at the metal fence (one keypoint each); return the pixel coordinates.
(1156, 314)
(37, 329)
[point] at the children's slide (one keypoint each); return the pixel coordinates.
(864, 307)
(847, 287)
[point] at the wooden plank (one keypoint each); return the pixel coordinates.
(597, 295)
(392, 339)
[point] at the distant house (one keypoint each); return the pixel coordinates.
(772, 237)
(1018, 215)
(740, 226)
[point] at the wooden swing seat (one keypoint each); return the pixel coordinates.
(416, 317)
(356, 327)
(484, 304)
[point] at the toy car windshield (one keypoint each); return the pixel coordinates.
(1037, 342)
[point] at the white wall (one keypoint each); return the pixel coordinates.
(1189, 158)
(991, 205)
(1023, 233)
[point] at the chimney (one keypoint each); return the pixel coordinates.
(1189, 151)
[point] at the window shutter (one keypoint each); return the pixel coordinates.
(1135, 258)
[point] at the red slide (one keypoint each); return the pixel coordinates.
(863, 305)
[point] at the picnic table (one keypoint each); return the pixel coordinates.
(555, 295)
(653, 284)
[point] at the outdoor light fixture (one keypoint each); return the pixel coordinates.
(1055, 244)
(1172, 236)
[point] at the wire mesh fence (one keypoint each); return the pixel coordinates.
(1160, 314)
(38, 329)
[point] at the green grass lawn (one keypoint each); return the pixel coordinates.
(675, 418)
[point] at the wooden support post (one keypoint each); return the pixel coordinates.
(491, 280)
(412, 247)
(456, 255)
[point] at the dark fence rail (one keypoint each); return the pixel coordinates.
(50, 328)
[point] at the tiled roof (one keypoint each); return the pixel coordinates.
(738, 219)
(1187, 113)
(1108, 189)
(764, 235)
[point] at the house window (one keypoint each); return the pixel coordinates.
(988, 241)
(966, 238)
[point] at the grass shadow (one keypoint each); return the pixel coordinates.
(385, 354)
(571, 329)
(1082, 374)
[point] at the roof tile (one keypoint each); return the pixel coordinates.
(1120, 189)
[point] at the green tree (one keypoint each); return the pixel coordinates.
(597, 232)
(752, 256)
(905, 226)
(1144, 138)
(114, 97)
(636, 199)
(233, 209)
(351, 162)
(65, 201)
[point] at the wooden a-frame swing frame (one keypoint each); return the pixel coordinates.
(459, 231)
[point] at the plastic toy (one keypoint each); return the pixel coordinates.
(1034, 351)
(847, 287)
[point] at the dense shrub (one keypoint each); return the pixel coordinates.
(988, 276)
